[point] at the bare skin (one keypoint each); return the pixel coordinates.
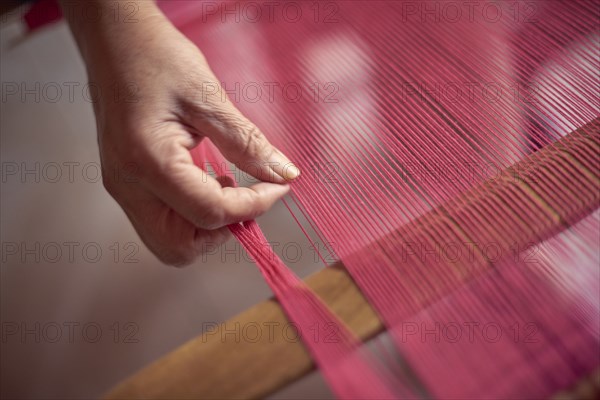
(176, 208)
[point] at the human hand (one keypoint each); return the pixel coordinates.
(163, 113)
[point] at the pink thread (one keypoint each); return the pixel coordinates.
(401, 147)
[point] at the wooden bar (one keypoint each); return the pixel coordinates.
(215, 365)
(212, 368)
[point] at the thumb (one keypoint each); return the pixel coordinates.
(242, 143)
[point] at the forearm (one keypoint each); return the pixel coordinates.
(108, 30)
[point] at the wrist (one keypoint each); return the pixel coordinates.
(102, 27)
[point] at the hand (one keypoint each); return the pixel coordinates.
(159, 115)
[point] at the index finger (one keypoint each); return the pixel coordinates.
(198, 197)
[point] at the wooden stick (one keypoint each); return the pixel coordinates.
(227, 363)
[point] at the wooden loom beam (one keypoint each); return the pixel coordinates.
(215, 366)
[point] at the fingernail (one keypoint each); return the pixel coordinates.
(283, 167)
(291, 172)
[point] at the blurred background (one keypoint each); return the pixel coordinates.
(83, 303)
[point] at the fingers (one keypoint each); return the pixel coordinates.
(244, 204)
(242, 143)
(237, 208)
(173, 239)
(200, 198)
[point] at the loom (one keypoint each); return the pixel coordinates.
(465, 141)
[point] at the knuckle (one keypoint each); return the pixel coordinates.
(253, 137)
(256, 148)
